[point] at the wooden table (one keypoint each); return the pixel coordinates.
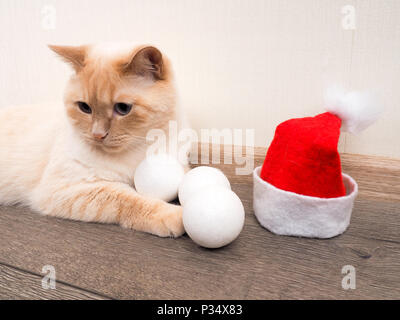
(97, 261)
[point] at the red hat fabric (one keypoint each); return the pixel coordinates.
(300, 189)
(303, 157)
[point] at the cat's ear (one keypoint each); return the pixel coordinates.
(147, 62)
(74, 55)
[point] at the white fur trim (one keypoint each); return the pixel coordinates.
(288, 213)
(357, 110)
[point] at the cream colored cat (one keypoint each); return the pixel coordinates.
(77, 161)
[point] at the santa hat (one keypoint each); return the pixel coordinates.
(300, 190)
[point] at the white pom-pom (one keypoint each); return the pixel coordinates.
(357, 110)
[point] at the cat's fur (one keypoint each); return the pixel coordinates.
(51, 161)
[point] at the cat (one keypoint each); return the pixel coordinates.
(77, 160)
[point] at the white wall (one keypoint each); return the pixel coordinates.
(239, 64)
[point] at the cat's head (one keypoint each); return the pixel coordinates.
(117, 94)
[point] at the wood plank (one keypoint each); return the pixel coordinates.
(126, 264)
(17, 284)
(122, 263)
(377, 177)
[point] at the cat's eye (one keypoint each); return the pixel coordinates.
(122, 108)
(84, 107)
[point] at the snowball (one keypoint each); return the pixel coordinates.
(213, 217)
(159, 176)
(199, 178)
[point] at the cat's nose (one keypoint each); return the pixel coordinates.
(100, 135)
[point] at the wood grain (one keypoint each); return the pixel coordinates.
(124, 264)
(18, 284)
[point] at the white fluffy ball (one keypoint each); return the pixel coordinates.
(198, 178)
(159, 176)
(357, 110)
(213, 217)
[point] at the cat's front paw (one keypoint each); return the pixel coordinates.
(167, 221)
(155, 216)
